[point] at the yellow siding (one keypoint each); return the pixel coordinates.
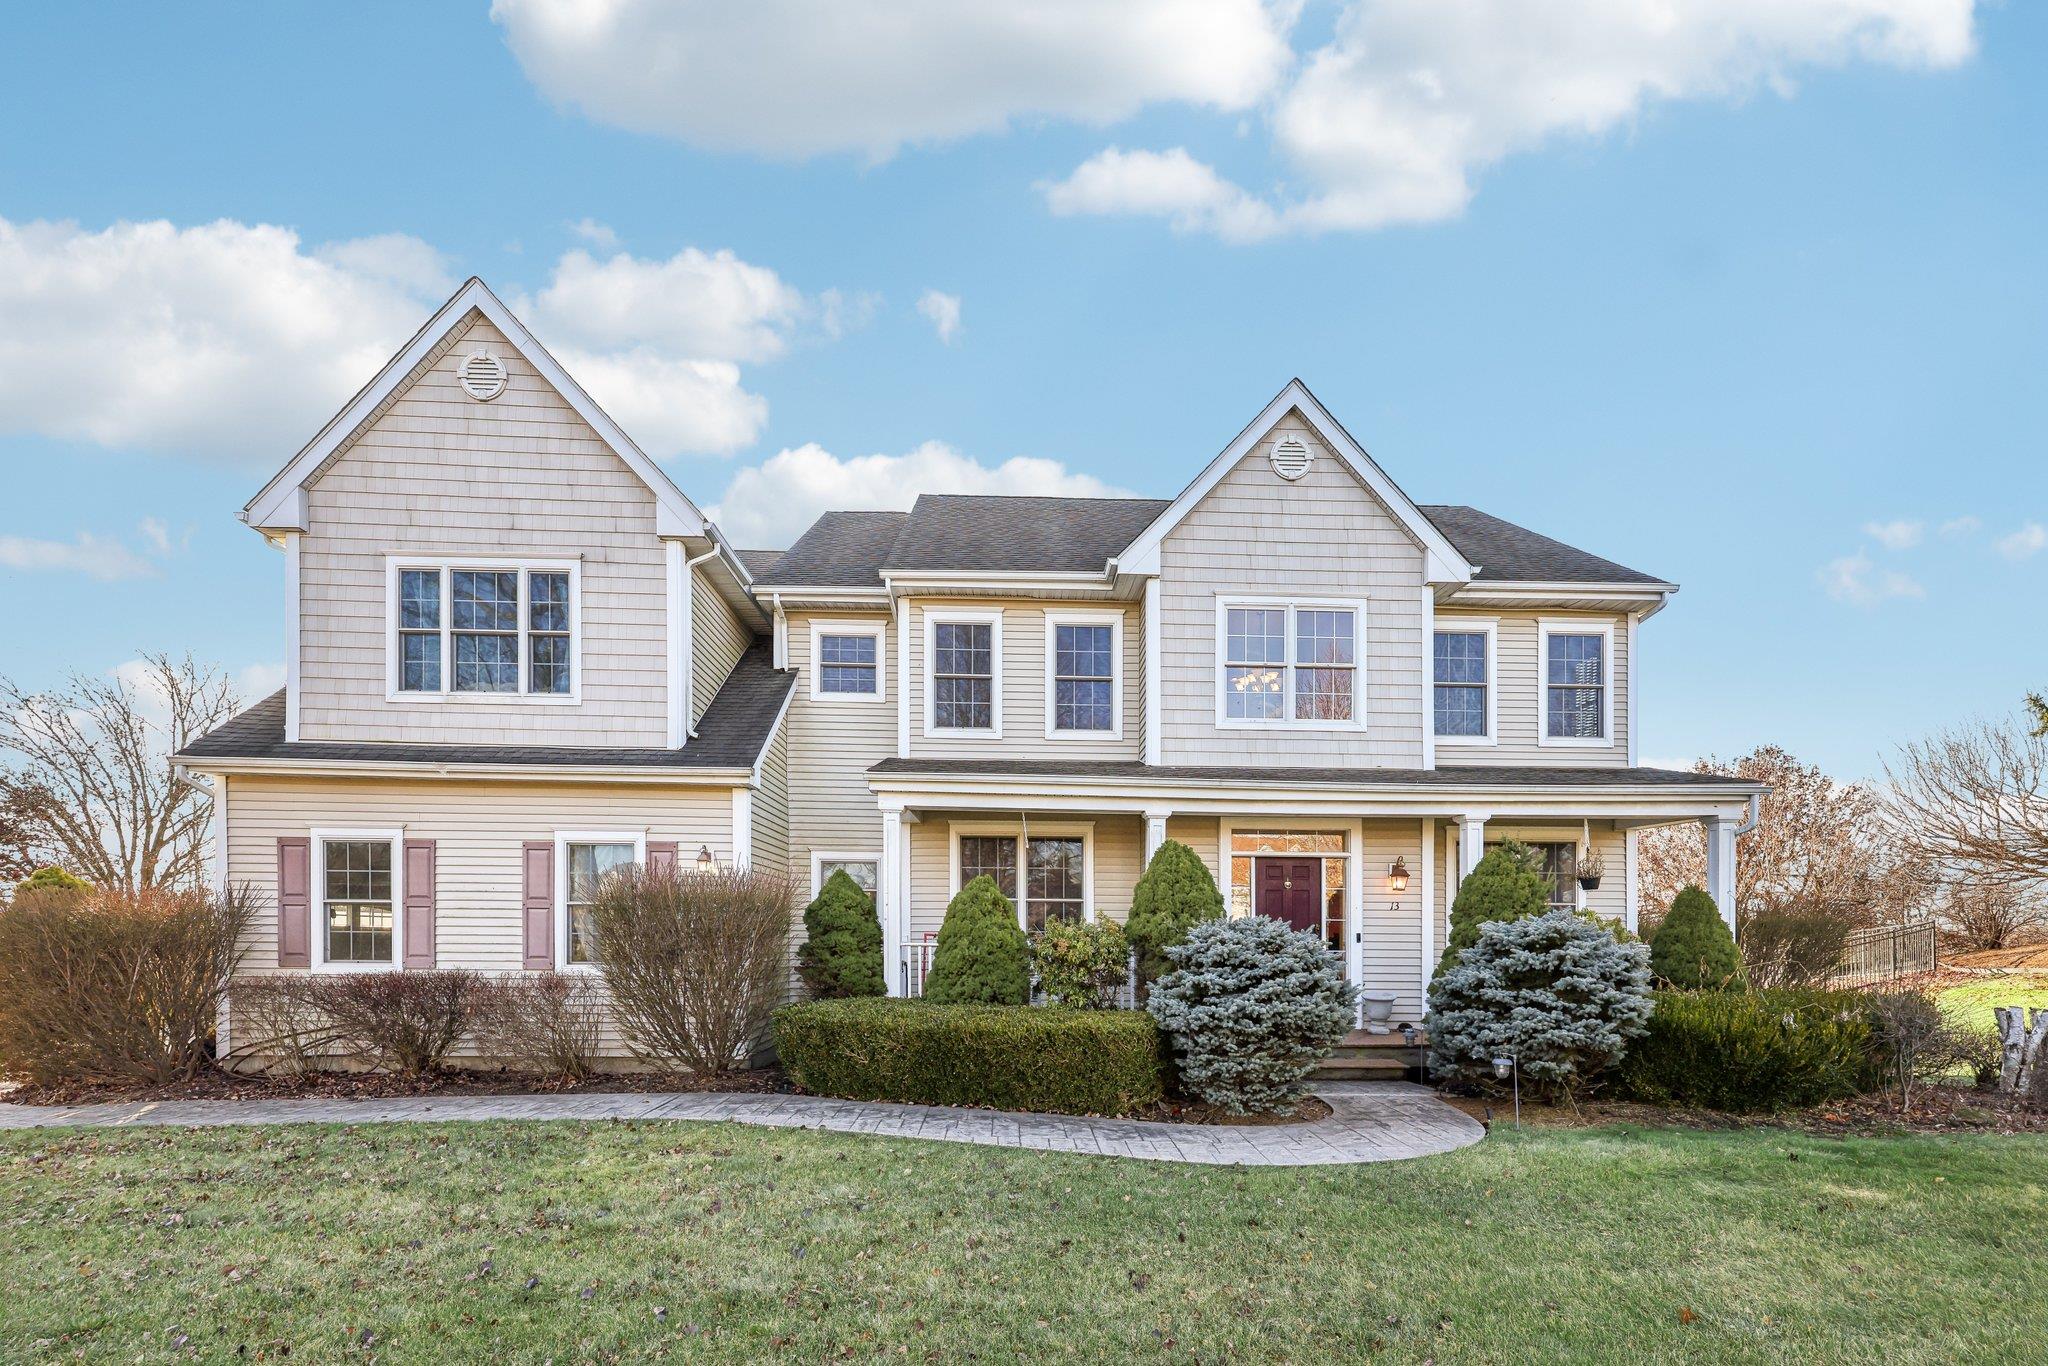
(1118, 850)
(831, 745)
(1324, 536)
(1518, 674)
(441, 474)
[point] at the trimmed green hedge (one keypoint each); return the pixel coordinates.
(1081, 1062)
(1746, 1051)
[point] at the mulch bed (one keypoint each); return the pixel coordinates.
(382, 1086)
(1935, 1110)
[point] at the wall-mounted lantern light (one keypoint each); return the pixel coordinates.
(1397, 877)
(704, 863)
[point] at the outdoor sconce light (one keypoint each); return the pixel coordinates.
(1397, 877)
(704, 863)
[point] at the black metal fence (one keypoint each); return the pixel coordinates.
(1884, 953)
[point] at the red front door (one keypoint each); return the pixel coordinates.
(1290, 889)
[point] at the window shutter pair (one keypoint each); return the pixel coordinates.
(295, 902)
(537, 895)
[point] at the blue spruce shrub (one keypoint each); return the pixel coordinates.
(1251, 1006)
(1555, 991)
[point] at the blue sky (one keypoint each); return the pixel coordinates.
(1765, 318)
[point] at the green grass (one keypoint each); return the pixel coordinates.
(526, 1241)
(1974, 1001)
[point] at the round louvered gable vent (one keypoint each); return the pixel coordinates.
(483, 377)
(1290, 458)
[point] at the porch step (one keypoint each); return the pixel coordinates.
(1340, 1068)
(1358, 1038)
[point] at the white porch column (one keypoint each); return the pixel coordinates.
(891, 889)
(1721, 865)
(1428, 871)
(1471, 843)
(1155, 832)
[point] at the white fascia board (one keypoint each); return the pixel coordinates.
(1445, 564)
(558, 773)
(281, 503)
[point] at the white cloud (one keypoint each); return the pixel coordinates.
(709, 305)
(1854, 579)
(942, 311)
(157, 534)
(1170, 184)
(799, 77)
(671, 407)
(1895, 535)
(258, 681)
(1392, 119)
(90, 555)
(598, 234)
(1965, 525)
(771, 504)
(2029, 541)
(227, 341)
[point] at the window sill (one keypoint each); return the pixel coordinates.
(517, 699)
(943, 733)
(1114, 733)
(1562, 742)
(1358, 727)
(856, 698)
(341, 968)
(1466, 742)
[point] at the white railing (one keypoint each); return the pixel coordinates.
(917, 966)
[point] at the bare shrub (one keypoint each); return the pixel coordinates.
(106, 985)
(405, 1022)
(546, 1021)
(694, 961)
(277, 1019)
(1919, 1042)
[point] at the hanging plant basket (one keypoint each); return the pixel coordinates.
(1590, 881)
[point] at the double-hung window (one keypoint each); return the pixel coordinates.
(1083, 675)
(864, 869)
(1577, 704)
(964, 673)
(846, 661)
(1462, 683)
(1290, 664)
(583, 860)
(357, 882)
(1055, 867)
(484, 629)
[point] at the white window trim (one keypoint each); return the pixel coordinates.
(1082, 830)
(318, 907)
(849, 626)
(993, 619)
(1225, 721)
(1471, 626)
(563, 839)
(1054, 619)
(821, 857)
(1546, 627)
(447, 565)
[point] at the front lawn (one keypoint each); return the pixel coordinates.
(1974, 1000)
(603, 1241)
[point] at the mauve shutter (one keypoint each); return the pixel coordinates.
(295, 903)
(661, 856)
(537, 902)
(419, 903)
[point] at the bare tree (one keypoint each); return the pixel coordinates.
(18, 853)
(87, 766)
(1973, 801)
(1975, 914)
(1821, 847)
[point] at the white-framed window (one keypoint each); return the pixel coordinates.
(1575, 686)
(1558, 861)
(1462, 680)
(582, 858)
(483, 628)
(358, 900)
(963, 673)
(864, 868)
(1054, 865)
(1290, 664)
(1084, 675)
(848, 661)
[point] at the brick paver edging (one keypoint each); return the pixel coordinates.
(1369, 1122)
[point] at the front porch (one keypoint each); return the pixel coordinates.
(1374, 873)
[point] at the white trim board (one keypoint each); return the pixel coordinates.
(1443, 562)
(1462, 625)
(932, 618)
(1287, 720)
(1055, 618)
(317, 897)
(447, 566)
(563, 839)
(1546, 627)
(281, 503)
(821, 857)
(875, 628)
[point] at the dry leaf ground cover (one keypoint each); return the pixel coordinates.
(573, 1241)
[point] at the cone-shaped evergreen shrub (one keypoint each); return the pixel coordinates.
(1175, 894)
(1554, 991)
(1251, 1006)
(842, 952)
(1693, 948)
(982, 957)
(1507, 885)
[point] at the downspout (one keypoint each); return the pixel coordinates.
(1756, 815)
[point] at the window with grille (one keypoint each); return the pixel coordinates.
(482, 630)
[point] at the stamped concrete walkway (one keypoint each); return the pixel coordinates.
(1370, 1121)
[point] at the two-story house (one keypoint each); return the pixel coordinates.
(518, 655)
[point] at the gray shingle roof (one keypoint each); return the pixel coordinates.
(1506, 553)
(984, 532)
(731, 734)
(758, 562)
(1495, 776)
(841, 550)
